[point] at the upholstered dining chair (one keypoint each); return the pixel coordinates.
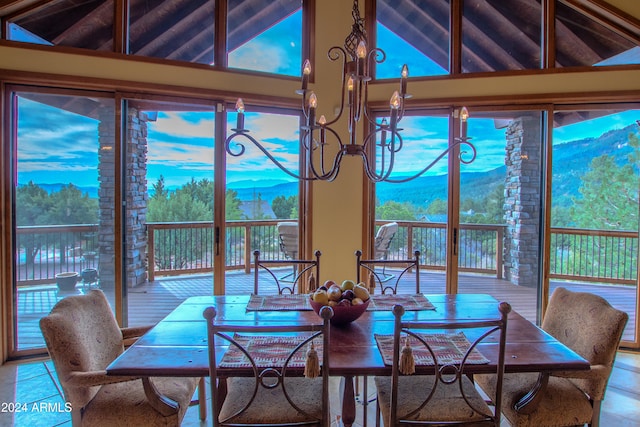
(83, 338)
(286, 379)
(430, 378)
(265, 274)
(590, 326)
(377, 279)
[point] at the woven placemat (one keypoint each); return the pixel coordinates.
(408, 301)
(448, 348)
(278, 302)
(268, 351)
(300, 302)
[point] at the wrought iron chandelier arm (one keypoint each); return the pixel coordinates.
(377, 56)
(336, 53)
(386, 167)
(242, 149)
(310, 146)
(457, 142)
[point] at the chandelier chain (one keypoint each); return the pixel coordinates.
(357, 34)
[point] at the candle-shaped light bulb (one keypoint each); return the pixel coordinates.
(361, 53)
(240, 110)
(403, 79)
(361, 50)
(350, 85)
(306, 71)
(394, 103)
(313, 104)
(464, 116)
(240, 106)
(322, 121)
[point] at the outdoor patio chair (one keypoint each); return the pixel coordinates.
(288, 238)
(381, 245)
(411, 396)
(90, 278)
(590, 326)
(287, 389)
(83, 338)
(266, 273)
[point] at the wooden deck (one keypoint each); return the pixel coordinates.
(149, 303)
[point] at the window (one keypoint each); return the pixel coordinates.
(183, 31)
(581, 41)
(416, 33)
(498, 35)
(265, 36)
(64, 210)
(85, 24)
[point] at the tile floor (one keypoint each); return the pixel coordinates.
(34, 385)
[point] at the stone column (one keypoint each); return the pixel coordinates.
(522, 202)
(136, 198)
(106, 199)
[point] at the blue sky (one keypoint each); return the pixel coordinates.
(60, 147)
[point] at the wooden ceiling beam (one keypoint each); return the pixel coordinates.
(169, 39)
(84, 28)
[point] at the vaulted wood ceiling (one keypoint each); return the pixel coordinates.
(498, 35)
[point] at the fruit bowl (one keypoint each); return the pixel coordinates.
(342, 314)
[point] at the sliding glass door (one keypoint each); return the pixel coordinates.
(594, 212)
(419, 206)
(501, 207)
(262, 202)
(63, 184)
(169, 210)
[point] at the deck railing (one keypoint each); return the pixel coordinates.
(187, 247)
(44, 251)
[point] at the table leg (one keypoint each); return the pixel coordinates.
(161, 403)
(348, 400)
(529, 401)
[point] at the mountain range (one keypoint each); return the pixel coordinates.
(568, 160)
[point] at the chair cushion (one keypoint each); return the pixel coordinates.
(125, 404)
(81, 335)
(563, 403)
(270, 405)
(445, 405)
(590, 326)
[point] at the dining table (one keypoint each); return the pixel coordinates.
(177, 345)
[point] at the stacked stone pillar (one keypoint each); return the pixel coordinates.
(523, 202)
(106, 197)
(135, 195)
(136, 198)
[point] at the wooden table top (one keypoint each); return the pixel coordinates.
(177, 346)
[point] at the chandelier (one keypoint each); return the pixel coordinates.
(323, 147)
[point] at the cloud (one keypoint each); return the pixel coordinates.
(50, 138)
(252, 57)
(185, 124)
